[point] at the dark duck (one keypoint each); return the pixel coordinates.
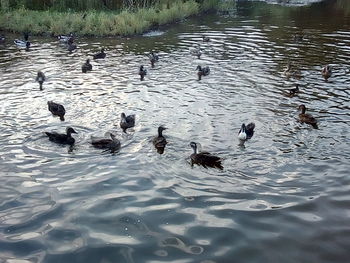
(326, 72)
(62, 138)
(112, 144)
(246, 132)
(202, 71)
(204, 158)
(307, 118)
(142, 72)
(294, 91)
(153, 58)
(56, 109)
(100, 55)
(40, 78)
(159, 141)
(86, 66)
(127, 122)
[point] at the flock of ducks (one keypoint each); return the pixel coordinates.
(112, 144)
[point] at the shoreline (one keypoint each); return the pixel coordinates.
(93, 23)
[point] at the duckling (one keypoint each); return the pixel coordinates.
(56, 109)
(307, 118)
(100, 55)
(142, 72)
(65, 39)
(206, 39)
(159, 141)
(86, 66)
(327, 72)
(62, 138)
(112, 144)
(127, 121)
(71, 46)
(202, 71)
(294, 91)
(40, 77)
(204, 158)
(246, 132)
(153, 58)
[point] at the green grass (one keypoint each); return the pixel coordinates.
(96, 23)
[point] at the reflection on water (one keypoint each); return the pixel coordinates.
(284, 197)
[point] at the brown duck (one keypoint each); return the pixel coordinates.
(307, 118)
(204, 158)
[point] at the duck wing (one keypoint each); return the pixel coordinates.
(207, 159)
(60, 138)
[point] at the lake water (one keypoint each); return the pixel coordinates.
(284, 197)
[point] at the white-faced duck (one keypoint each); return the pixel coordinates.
(246, 132)
(62, 138)
(159, 141)
(40, 78)
(326, 72)
(111, 145)
(204, 158)
(206, 39)
(86, 66)
(307, 118)
(202, 71)
(127, 122)
(100, 55)
(56, 109)
(65, 38)
(153, 58)
(142, 72)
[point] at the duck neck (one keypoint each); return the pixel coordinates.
(160, 132)
(195, 149)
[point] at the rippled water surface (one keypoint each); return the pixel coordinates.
(284, 197)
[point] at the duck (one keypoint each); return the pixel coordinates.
(142, 72)
(40, 77)
(246, 132)
(202, 71)
(100, 55)
(56, 109)
(288, 72)
(62, 138)
(22, 43)
(206, 39)
(294, 91)
(127, 121)
(65, 39)
(159, 141)
(153, 58)
(327, 72)
(204, 158)
(86, 66)
(112, 144)
(307, 118)
(197, 52)
(71, 46)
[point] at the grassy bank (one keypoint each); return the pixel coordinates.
(101, 23)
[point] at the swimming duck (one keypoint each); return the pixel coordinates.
(127, 121)
(307, 118)
(112, 144)
(100, 55)
(21, 43)
(327, 72)
(142, 72)
(71, 46)
(288, 72)
(62, 138)
(202, 71)
(64, 39)
(206, 39)
(294, 91)
(86, 66)
(40, 77)
(159, 141)
(56, 109)
(246, 132)
(153, 58)
(204, 158)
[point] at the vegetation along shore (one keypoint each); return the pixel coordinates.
(97, 17)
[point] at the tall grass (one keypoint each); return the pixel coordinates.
(97, 23)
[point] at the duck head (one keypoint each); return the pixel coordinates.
(88, 61)
(102, 50)
(297, 87)
(160, 130)
(302, 108)
(199, 68)
(123, 116)
(194, 146)
(141, 68)
(70, 130)
(27, 44)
